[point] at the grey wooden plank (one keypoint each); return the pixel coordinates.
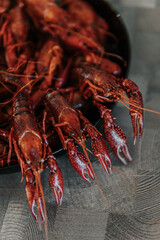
(143, 20)
(79, 223)
(147, 202)
(15, 220)
(3, 208)
(131, 228)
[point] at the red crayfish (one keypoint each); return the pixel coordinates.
(68, 52)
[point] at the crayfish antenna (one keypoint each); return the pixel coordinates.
(82, 144)
(116, 56)
(41, 207)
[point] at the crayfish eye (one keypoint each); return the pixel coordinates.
(68, 34)
(72, 134)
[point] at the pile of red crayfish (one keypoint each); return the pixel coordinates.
(52, 59)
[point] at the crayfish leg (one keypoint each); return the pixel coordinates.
(114, 134)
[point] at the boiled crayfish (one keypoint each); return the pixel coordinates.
(68, 52)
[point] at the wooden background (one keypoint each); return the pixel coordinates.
(134, 199)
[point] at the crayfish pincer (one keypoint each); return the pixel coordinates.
(72, 127)
(104, 87)
(34, 155)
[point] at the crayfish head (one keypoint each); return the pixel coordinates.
(114, 94)
(72, 127)
(31, 148)
(74, 133)
(120, 93)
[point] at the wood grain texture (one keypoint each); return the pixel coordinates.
(15, 220)
(129, 227)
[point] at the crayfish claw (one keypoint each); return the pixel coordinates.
(98, 144)
(136, 107)
(103, 163)
(59, 192)
(101, 152)
(118, 142)
(34, 200)
(78, 161)
(114, 134)
(90, 173)
(30, 192)
(56, 184)
(83, 175)
(55, 179)
(125, 150)
(137, 122)
(40, 208)
(87, 171)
